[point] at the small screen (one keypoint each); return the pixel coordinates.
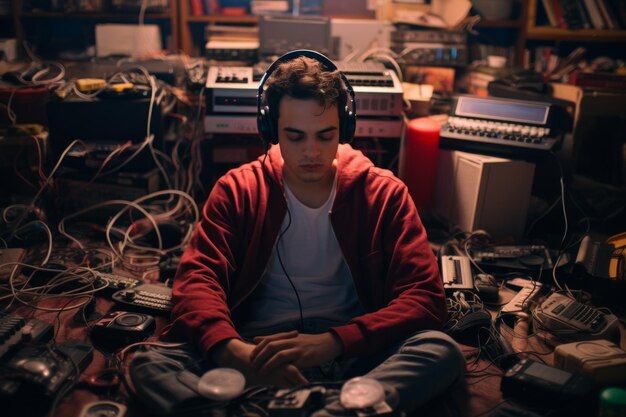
(547, 373)
(502, 110)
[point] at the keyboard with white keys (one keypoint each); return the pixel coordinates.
(497, 125)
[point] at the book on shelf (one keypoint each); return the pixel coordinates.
(584, 14)
(567, 65)
(571, 14)
(546, 60)
(195, 6)
(204, 7)
(550, 15)
(618, 8)
(594, 14)
(606, 16)
(575, 14)
(231, 31)
(558, 12)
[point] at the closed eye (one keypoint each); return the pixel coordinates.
(294, 137)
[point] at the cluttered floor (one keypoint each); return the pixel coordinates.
(68, 329)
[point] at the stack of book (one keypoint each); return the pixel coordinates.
(231, 32)
(267, 7)
(480, 77)
(228, 41)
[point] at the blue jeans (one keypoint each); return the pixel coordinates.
(420, 368)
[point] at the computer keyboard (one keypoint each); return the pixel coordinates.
(462, 132)
(500, 126)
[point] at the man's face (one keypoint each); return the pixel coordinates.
(308, 137)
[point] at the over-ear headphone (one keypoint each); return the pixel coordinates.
(267, 123)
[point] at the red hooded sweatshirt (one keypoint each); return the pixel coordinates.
(378, 229)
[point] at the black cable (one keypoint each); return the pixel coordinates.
(326, 374)
(280, 260)
(282, 266)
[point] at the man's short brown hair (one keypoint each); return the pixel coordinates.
(304, 78)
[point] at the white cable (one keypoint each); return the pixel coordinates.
(542, 215)
(10, 113)
(370, 51)
(59, 77)
(149, 137)
(48, 232)
(35, 79)
(61, 278)
(152, 99)
(564, 211)
(150, 218)
(31, 205)
(565, 230)
(127, 238)
(7, 209)
(145, 143)
(142, 11)
(352, 54)
(61, 225)
(393, 62)
(88, 96)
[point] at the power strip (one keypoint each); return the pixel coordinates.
(520, 301)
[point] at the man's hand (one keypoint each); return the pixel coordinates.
(236, 354)
(292, 348)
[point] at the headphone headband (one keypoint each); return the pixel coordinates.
(266, 124)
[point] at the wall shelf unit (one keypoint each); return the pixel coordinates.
(548, 33)
(513, 29)
(37, 25)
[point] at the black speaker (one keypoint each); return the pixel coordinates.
(266, 123)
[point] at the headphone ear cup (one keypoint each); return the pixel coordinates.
(272, 129)
(348, 126)
(266, 127)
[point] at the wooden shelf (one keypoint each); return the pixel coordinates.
(40, 21)
(223, 18)
(92, 15)
(548, 33)
(514, 24)
(583, 35)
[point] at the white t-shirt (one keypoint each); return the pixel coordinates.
(314, 261)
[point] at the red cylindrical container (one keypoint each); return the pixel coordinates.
(418, 163)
